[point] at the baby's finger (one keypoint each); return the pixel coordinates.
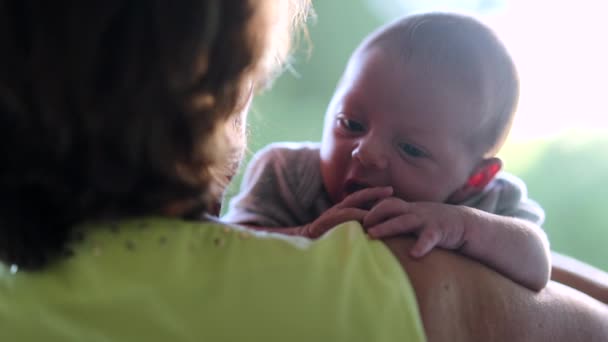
(363, 198)
(427, 239)
(399, 225)
(348, 214)
(384, 210)
(327, 222)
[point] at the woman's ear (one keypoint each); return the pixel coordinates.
(481, 176)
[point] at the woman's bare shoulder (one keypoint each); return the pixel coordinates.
(462, 300)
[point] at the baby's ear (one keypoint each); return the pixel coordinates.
(481, 176)
(484, 173)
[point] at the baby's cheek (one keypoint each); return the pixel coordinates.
(419, 189)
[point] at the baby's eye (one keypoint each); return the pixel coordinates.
(350, 125)
(412, 150)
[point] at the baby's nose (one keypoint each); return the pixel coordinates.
(371, 154)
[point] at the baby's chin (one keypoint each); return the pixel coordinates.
(336, 196)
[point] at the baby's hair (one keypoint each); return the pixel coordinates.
(471, 55)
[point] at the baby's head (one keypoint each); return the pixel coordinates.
(424, 105)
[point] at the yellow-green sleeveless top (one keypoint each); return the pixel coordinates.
(160, 279)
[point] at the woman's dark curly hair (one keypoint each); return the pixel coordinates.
(113, 108)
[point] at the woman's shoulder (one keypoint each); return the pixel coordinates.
(169, 273)
(474, 303)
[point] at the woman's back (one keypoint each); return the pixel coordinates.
(173, 280)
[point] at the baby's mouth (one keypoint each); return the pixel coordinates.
(353, 186)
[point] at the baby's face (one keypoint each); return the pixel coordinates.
(390, 124)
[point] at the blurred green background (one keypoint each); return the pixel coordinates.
(565, 169)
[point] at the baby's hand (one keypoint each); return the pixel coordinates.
(435, 224)
(353, 208)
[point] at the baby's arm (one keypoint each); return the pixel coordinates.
(514, 247)
(353, 208)
(268, 197)
(274, 189)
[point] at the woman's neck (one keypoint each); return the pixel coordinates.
(192, 209)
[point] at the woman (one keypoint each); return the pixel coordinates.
(121, 122)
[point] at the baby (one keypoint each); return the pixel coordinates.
(409, 145)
